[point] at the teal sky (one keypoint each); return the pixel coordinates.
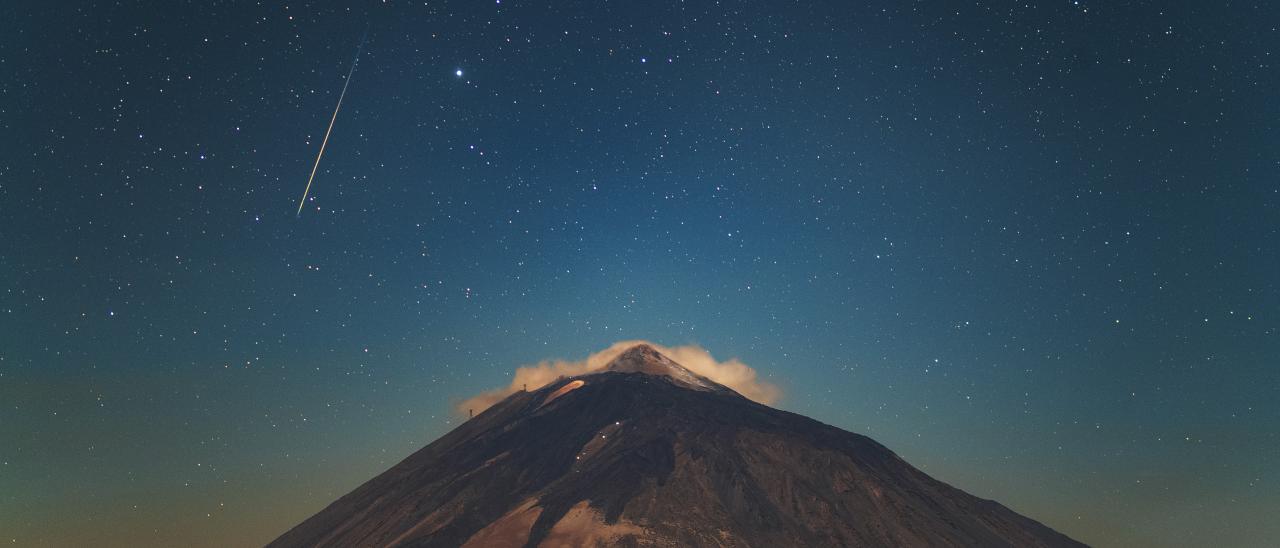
(1029, 248)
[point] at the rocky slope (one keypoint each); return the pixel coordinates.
(647, 453)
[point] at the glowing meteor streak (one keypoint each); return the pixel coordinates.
(351, 72)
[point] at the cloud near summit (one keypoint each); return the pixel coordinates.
(731, 373)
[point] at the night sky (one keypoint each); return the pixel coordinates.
(1030, 248)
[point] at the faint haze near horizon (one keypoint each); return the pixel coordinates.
(1029, 248)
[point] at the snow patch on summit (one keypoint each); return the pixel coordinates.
(643, 358)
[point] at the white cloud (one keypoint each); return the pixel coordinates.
(731, 373)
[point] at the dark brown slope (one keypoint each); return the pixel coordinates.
(636, 456)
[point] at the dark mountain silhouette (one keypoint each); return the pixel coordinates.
(648, 453)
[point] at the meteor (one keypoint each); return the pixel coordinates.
(334, 118)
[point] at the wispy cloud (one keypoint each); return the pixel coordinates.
(731, 373)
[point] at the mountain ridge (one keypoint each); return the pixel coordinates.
(642, 459)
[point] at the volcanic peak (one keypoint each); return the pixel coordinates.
(643, 358)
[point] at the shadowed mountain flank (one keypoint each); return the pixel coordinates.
(647, 453)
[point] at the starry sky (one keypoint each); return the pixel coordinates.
(1030, 246)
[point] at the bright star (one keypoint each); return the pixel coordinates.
(458, 73)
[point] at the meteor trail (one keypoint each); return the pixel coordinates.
(351, 72)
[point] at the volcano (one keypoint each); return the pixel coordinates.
(645, 452)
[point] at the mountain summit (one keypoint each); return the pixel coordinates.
(646, 359)
(645, 452)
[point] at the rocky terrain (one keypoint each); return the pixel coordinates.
(647, 453)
